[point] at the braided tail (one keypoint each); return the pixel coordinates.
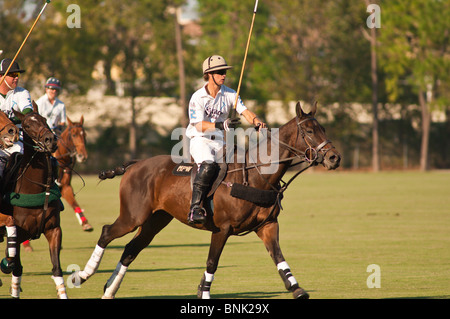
(120, 170)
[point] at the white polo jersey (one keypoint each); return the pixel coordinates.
(203, 107)
(54, 113)
(18, 99)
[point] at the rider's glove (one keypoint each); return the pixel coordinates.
(228, 124)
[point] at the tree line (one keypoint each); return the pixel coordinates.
(330, 51)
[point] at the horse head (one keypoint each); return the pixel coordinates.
(36, 128)
(77, 137)
(312, 138)
(9, 134)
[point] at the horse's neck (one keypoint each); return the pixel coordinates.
(64, 148)
(34, 171)
(279, 164)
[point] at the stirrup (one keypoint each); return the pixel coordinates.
(197, 215)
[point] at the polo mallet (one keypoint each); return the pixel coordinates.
(26, 38)
(245, 56)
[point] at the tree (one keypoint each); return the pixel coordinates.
(415, 56)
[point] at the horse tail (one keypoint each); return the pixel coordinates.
(120, 170)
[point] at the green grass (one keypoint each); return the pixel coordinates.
(334, 224)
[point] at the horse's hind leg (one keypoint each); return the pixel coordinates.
(269, 235)
(119, 228)
(152, 226)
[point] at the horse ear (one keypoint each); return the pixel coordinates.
(19, 115)
(298, 110)
(69, 121)
(35, 107)
(81, 120)
(313, 109)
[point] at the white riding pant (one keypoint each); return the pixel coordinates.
(204, 149)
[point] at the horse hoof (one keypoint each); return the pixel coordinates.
(299, 293)
(7, 267)
(87, 227)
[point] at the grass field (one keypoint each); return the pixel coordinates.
(333, 226)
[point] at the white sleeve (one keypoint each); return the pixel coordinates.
(196, 110)
(23, 100)
(240, 107)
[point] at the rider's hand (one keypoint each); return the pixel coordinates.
(259, 124)
(228, 124)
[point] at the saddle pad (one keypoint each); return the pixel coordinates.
(260, 197)
(183, 169)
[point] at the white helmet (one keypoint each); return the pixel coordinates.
(215, 63)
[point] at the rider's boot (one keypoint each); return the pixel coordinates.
(200, 188)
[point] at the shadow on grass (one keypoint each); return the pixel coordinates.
(239, 295)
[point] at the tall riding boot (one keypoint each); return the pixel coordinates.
(201, 187)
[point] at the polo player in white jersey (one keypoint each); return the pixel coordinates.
(209, 108)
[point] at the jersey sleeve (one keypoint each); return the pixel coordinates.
(196, 111)
(240, 107)
(23, 101)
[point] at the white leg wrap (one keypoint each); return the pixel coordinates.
(284, 267)
(11, 238)
(93, 263)
(60, 288)
(113, 283)
(15, 286)
(208, 279)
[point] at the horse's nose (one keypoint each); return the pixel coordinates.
(50, 141)
(333, 159)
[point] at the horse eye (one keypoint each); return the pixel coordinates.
(309, 131)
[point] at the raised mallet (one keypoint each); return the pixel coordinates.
(245, 56)
(26, 38)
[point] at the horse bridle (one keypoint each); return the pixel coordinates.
(72, 151)
(39, 146)
(314, 155)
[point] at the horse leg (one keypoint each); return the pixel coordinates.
(119, 228)
(54, 237)
(269, 234)
(218, 241)
(7, 264)
(68, 194)
(16, 277)
(152, 226)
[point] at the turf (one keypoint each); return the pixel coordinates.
(333, 226)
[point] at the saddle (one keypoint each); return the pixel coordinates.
(190, 169)
(23, 200)
(260, 197)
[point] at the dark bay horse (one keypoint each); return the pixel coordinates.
(151, 196)
(72, 149)
(34, 189)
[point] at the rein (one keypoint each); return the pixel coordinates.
(312, 159)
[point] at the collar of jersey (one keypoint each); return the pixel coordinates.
(205, 93)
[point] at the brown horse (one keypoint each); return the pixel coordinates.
(151, 196)
(8, 132)
(34, 189)
(72, 149)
